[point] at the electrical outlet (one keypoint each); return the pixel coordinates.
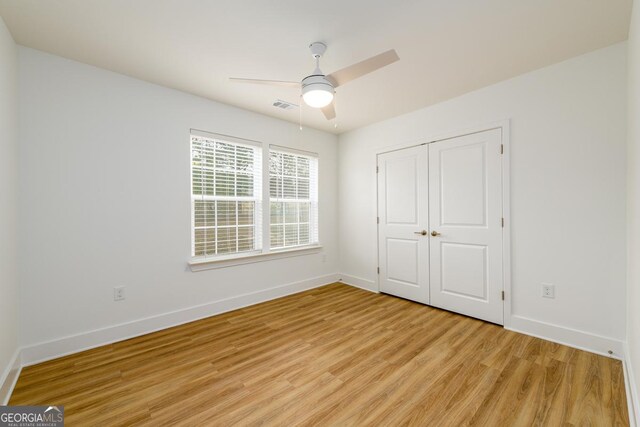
(118, 293)
(548, 290)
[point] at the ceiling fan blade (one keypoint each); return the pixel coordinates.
(354, 71)
(329, 111)
(266, 82)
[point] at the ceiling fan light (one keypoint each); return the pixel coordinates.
(316, 91)
(318, 98)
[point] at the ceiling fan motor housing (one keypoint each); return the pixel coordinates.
(316, 82)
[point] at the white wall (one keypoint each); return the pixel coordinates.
(567, 189)
(8, 207)
(104, 167)
(8, 204)
(633, 206)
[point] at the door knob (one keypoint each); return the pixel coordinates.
(434, 233)
(423, 232)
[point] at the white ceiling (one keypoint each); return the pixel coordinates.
(447, 47)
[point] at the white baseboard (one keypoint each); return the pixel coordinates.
(633, 400)
(567, 336)
(358, 282)
(10, 377)
(44, 351)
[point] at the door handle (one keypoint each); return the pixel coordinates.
(434, 233)
(422, 233)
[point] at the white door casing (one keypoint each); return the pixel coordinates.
(465, 217)
(403, 215)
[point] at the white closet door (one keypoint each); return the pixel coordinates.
(403, 208)
(465, 217)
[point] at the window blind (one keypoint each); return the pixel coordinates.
(293, 202)
(226, 196)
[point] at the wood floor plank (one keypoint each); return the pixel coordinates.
(334, 355)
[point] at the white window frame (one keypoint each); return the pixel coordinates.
(260, 254)
(257, 198)
(312, 200)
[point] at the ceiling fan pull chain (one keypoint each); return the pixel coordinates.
(300, 108)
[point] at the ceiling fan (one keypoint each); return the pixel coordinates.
(318, 89)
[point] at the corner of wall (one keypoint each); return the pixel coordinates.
(632, 346)
(9, 301)
(359, 282)
(10, 377)
(631, 388)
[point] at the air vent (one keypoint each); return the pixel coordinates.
(279, 103)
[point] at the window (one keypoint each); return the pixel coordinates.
(227, 197)
(293, 200)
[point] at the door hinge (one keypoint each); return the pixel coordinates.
(501, 148)
(378, 270)
(378, 220)
(377, 169)
(502, 222)
(502, 295)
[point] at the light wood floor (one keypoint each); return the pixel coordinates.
(335, 355)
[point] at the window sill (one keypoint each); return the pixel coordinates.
(230, 261)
